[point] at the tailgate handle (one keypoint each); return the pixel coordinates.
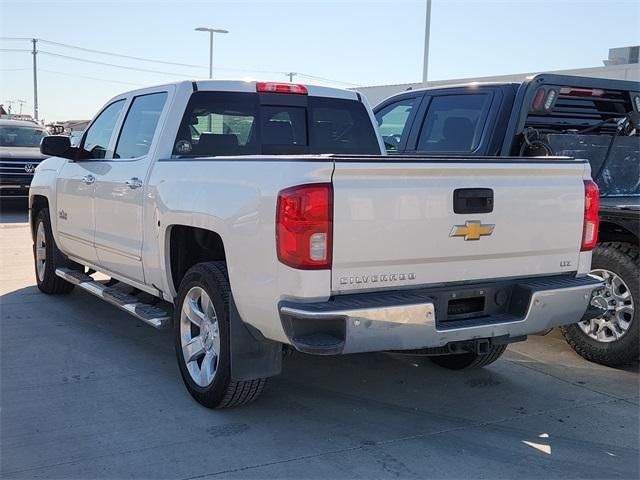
(473, 200)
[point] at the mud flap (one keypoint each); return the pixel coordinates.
(252, 355)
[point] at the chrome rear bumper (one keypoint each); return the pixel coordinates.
(419, 319)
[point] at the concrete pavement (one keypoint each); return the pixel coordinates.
(89, 392)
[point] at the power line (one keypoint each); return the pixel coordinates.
(130, 57)
(90, 78)
(315, 77)
(124, 67)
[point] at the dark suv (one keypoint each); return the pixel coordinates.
(19, 156)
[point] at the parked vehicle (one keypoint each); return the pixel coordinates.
(75, 136)
(589, 118)
(214, 210)
(19, 156)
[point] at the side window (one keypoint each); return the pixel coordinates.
(392, 122)
(140, 125)
(96, 139)
(454, 123)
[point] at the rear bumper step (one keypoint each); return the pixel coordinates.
(419, 319)
(151, 314)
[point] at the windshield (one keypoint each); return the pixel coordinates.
(21, 136)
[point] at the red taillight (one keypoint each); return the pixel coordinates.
(581, 92)
(591, 218)
(304, 226)
(544, 100)
(538, 99)
(278, 87)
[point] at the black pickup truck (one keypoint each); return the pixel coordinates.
(596, 119)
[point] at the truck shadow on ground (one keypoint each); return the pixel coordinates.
(76, 365)
(107, 336)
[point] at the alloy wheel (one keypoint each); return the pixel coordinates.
(618, 307)
(200, 336)
(41, 251)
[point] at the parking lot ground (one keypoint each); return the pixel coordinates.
(89, 392)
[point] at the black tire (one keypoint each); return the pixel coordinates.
(212, 277)
(48, 282)
(461, 361)
(623, 259)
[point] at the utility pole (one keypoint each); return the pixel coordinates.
(291, 75)
(427, 32)
(10, 106)
(35, 79)
(21, 103)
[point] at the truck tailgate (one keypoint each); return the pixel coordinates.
(394, 221)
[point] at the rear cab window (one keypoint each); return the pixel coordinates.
(239, 123)
(454, 123)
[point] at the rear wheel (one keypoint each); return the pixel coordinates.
(469, 360)
(202, 339)
(613, 338)
(47, 257)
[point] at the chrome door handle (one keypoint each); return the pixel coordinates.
(89, 179)
(134, 183)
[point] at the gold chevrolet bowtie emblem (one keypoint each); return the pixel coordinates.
(471, 230)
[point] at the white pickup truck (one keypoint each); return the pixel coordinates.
(254, 217)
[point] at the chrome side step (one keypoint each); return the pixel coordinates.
(154, 316)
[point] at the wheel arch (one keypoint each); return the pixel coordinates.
(36, 204)
(188, 245)
(611, 231)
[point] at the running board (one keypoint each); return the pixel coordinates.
(154, 316)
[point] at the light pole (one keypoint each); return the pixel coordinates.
(211, 32)
(427, 32)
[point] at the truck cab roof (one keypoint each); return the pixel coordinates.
(541, 78)
(249, 86)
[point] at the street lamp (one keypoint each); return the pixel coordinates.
(211, 32)
(427, 33)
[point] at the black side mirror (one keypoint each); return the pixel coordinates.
(56, 146)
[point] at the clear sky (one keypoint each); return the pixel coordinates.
(351, 42)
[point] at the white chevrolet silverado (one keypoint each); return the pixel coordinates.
(256, 217)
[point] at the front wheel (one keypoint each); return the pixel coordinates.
(613, 338)
(47, 257)
(202, 339)
(461, 361)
